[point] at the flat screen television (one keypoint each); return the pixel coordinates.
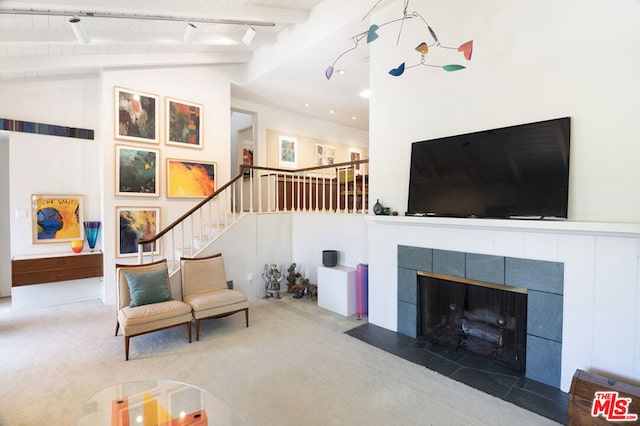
(515, 172)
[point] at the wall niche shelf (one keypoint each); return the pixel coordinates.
(51, 268)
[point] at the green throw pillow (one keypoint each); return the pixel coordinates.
(148, 287)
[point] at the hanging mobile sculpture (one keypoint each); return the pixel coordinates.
(423, 48)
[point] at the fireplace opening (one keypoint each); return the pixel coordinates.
(484, 318)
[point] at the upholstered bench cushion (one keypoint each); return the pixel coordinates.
(141, 318)
(215, 299)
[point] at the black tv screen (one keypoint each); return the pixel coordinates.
(516, 172)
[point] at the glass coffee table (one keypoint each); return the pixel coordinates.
(154, 403)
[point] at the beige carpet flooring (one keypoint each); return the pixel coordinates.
(292, 366)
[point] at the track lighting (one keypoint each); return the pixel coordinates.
(249, 34)
(189, 33)
(78, 30)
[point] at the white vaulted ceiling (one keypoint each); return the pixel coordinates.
(284, 65)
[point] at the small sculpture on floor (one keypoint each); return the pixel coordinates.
(292, 277)
(312, 291)
(300, 287)
(272, 275)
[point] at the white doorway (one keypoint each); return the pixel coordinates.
(5, 243)
(243, 146)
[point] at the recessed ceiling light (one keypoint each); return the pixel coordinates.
(307, 105)
(365, 93)
(331, 111)
(353, 118)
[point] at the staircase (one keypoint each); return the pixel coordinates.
(333, 189)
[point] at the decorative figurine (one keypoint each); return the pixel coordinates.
(300, 288)
(292, 278)
(272, 275)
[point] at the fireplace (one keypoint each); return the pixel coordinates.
(543, 282)
(484, 318)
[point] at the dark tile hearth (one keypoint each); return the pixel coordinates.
(470, 369)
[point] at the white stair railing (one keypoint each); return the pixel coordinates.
(339, 188)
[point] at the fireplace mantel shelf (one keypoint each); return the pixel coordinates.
(523, 225)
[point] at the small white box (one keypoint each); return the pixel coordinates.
(337, 289)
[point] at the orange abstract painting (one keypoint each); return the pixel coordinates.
(190, 178)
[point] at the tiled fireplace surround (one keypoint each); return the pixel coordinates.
(600, 288)
(543, 280)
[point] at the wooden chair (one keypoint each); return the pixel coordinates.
(144, 301)
(204, 287)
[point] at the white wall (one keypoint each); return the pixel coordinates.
(315, 232)
(48, 164)
(260, 239)
(40, 164)
(271, 118)
(212, 91)
(531, 61)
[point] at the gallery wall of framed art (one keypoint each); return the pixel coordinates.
(149, 126)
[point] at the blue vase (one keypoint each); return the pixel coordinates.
(91, 230)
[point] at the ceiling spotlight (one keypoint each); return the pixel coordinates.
(78, 30)
(249, 34)
(190, 31)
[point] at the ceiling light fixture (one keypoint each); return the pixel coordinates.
(78, 30)
(249, 34)
(423, 48)
(95, 14)
(190, 31)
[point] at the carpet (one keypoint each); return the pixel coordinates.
(293, 365)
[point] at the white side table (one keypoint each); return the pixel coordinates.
(337, 289)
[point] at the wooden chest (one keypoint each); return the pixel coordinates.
(54, 268)
(582, 393)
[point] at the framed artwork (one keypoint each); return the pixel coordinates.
(287, 151)
(325, 155)
(183, 123)
(137, 171)
(136, 116)
(57, 218)
(135, 224)
(190, 179)
(355, 155)
(247, 155)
